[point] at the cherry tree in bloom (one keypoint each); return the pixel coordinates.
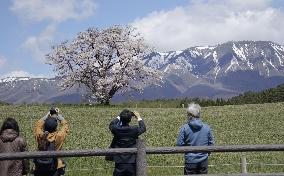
(107, 61)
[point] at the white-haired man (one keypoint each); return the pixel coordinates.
(195, 133)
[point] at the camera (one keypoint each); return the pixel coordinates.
(132, 114)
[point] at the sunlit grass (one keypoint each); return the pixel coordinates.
(231, 125)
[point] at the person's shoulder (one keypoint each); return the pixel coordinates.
(21, 141)
(184, 126)
(206, 126)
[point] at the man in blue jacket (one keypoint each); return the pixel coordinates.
(195, 133)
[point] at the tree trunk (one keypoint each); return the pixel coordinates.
(108, 96)
(111, 93)
(104, 102)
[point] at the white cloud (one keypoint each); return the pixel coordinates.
(211, 22)
(40, 45)
(243, 4)
(3, 61)
(21, 73)
(54, 10)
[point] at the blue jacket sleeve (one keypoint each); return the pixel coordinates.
(180, 139)
(211, 140)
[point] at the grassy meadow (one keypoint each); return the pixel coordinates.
(231, 125)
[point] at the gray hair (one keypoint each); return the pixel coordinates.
(193, 109)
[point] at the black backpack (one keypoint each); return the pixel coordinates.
(46, 165)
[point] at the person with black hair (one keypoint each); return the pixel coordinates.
(124, 136)
(11, 141)
(54, 128)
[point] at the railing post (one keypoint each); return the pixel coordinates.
(244, 165)
(141, 163)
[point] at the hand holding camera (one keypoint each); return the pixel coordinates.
(57, 111)
(137, 115)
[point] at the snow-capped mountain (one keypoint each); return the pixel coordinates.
(36, 90)
(212, 62)
(224, 70)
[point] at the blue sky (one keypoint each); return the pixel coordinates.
(30, 27)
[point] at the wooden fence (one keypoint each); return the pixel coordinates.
(142, 150)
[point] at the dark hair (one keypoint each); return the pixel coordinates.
(50, 125)
(10, 123)
(125, 116)
(52, 111)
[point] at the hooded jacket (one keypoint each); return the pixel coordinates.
(195, 133)
(11, 142)
(58, 136)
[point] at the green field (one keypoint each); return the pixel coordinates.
(243, 124)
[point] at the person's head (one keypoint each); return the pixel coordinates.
(50, 125)
(193, 110)
(125, 116)
(10, 123)
(54, 110)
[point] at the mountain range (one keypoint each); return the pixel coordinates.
(219, 71)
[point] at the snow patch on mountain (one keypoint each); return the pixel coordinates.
(270, 62)
(216, 71)
(215, 57)
(171, 67)
(183, 63)
(179, 52)
(266, 68)
(162, 54)
(240, 52)
(278, 50)
(207, 55)
(234, 65)
(250, 65)
(158, 61)
(12, 79)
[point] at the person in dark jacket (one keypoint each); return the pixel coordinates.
(10, 142)
(124, 136)
(195, 133)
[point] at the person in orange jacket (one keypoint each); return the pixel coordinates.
(49, 125)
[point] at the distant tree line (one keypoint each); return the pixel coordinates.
(267, 96)
(3, 103)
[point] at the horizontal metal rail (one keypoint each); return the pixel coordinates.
(242, 174)
(66, 153)
(248, 174)
(228, 148)
(149, 150)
